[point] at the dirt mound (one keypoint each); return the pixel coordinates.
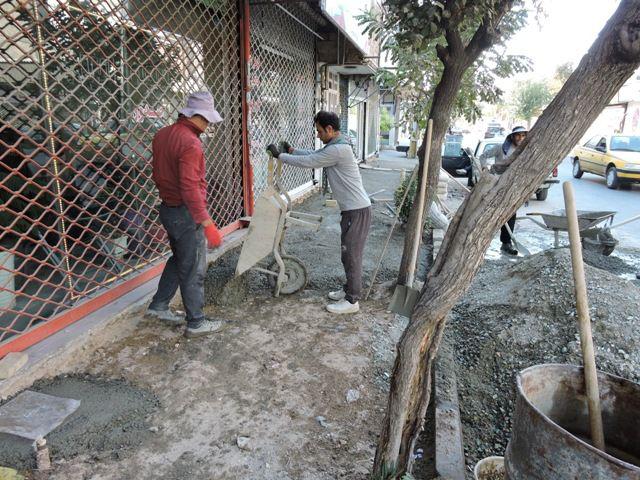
(522, 314)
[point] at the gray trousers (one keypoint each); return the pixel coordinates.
(354, 226)
(187, 266)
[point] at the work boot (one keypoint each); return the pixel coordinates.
(343, 306)
(337, 294)
(509, 249)
(166, 316)
(207, 326)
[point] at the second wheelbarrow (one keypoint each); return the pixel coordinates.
(595, 227)
(272, 215)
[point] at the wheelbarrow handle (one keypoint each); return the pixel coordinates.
(624, 222)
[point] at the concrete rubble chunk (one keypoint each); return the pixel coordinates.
(11, 363)
(243, 443)
(352, 395)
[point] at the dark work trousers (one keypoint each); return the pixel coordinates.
(504, 234)
(187, 266)
(354, 226)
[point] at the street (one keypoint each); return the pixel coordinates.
(591, 194)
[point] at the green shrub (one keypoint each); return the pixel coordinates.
(399, 194)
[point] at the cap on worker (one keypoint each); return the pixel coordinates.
(518, 129)
(201, 103)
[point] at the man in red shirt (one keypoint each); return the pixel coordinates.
(179, 174)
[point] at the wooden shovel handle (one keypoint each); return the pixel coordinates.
(582, 304)
(423, 187)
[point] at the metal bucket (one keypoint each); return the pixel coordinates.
(551, 427)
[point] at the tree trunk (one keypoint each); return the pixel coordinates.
(611, 60)
(443, 100)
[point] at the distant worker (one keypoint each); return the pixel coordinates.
(503, 158)
(179, 175)
(344, 178)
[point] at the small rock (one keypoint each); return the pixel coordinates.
(243, 443)
(153, 429)
(322, 421)
(352, 395)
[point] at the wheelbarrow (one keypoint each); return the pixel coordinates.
(272, 215)
(592, 235)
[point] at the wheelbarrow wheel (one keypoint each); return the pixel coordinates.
(608, 250)
(296, 274)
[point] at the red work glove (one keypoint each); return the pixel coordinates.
(213, 235)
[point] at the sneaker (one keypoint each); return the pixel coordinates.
(166, 316)
(206, 327)
(509, 249)
(343, 306)
(337, 294)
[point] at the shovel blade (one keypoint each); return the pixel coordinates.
(403, 300)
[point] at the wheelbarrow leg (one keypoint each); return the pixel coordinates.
(556, 239)
(282, 275)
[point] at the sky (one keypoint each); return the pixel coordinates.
(564, 35)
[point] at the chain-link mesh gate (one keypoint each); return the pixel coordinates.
(282, 79)
(85, 85)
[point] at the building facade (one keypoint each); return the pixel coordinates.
(86, 85)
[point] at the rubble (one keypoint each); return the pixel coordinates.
(520, 314)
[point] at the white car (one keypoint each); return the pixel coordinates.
(403, 144)
(489, 143)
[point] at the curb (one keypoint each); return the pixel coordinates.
(383, 169)
(450, 462)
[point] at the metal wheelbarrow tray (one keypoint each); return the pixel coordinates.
(588, 221)
(272, 215)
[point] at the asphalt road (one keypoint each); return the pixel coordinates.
(592, 194)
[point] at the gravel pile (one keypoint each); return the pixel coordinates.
(520, 314)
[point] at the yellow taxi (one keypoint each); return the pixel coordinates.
(615, 157)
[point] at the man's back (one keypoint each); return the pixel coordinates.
(345, 179)
(178, 167)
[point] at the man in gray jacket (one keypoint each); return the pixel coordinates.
(344, 178)
(502, 155)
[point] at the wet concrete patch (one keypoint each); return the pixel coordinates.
(112, 417)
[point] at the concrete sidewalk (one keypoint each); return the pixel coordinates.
(390, 159)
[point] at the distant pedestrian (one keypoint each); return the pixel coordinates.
(503, 155)
(179, 175)
(343, 174)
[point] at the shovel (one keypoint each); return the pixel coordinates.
(405, 296)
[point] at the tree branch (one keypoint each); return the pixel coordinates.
(628, 45)
(455, 47)
(487, 33)
(443, 53)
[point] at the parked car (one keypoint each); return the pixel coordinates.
(403, 145)
(486, 145)
(494, 130)
(615, 157)
(454, 158)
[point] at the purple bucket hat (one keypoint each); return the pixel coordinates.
(201, 103)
